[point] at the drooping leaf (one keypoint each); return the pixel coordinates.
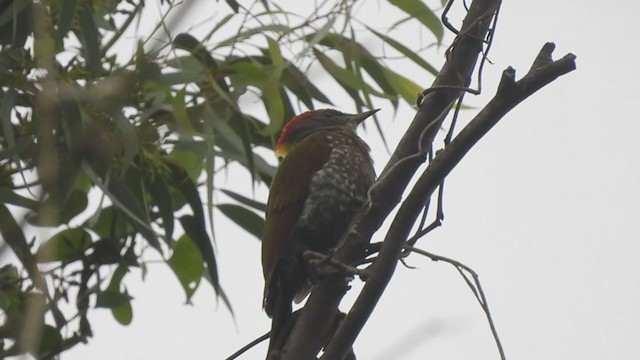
(418, 10)
(197, 233)
(12, 234)
(245, 218)
(162, 197)
(111, 224)
(260, 206)
(50, 341)
(408, 53)
(125, 201)
(119, 303)
(66, 246)
(187, 263)
(66, 12)
(8, 196)
(112, 298)
(344, 76)
(90, 37)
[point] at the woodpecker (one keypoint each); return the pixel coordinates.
(323, 179)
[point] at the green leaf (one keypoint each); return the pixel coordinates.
(197, 233)
(9, 197)
(260, 206)
(129, 135)
(186, 263)
(299, 84)
(90, 38)
(162, 197)
(112, 298)
(116, 278)
(278, 29)
(180, 113)
(190, 155)
(66, 12)
(408, 53)
(245, 218)
(274, 104)
(110, 224)
(66, 246)
(403, 86)
(119, 303)
(320, 34)
(12, 234)
(188, 189)
(418, 10)
(125, 201)
(71, 123)
(123, 313)
(344, 76)
(50, 341)
(275, 56)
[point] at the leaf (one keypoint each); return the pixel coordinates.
(162, 197)
(188, 189)
(299, 84)
(186, 263)
(90, 38)
(125, 201)
(234, 5)
(50, 341)
(66, 12)
(245, 218)
(418, 10)
(344, 76)
(129, 136)
(67, 246)
(320, 34)
(9, 197)
(278, 29)
(71, 123)
(123, 313)
(406, 52)
(198, 234)
(403, 86)
(190, 155)
(195, 48)
(260, 206)
(119, 303)
(112, 298)
(180, 113)
(110, 224)
(6, 108)
(12, 234)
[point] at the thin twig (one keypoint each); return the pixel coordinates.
(476, 288)
(245, 348)
(317, 259)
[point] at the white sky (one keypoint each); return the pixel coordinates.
(545, 208)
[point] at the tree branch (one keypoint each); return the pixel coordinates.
(315, 322)
(315, 319)
(509, 94)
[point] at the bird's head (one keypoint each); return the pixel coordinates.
(315, 120)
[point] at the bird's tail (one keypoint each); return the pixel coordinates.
(281, 323)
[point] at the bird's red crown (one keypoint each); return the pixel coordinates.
(284, 141)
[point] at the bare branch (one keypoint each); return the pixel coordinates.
(509, 94)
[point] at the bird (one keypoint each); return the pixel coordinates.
(323, 178)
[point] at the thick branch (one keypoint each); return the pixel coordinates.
(509, 94)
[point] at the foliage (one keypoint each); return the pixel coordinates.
(100, 154)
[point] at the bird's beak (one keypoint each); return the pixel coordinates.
(358, 118)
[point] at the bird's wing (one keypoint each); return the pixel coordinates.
(289, 189)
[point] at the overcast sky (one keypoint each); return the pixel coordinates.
(545, 208)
